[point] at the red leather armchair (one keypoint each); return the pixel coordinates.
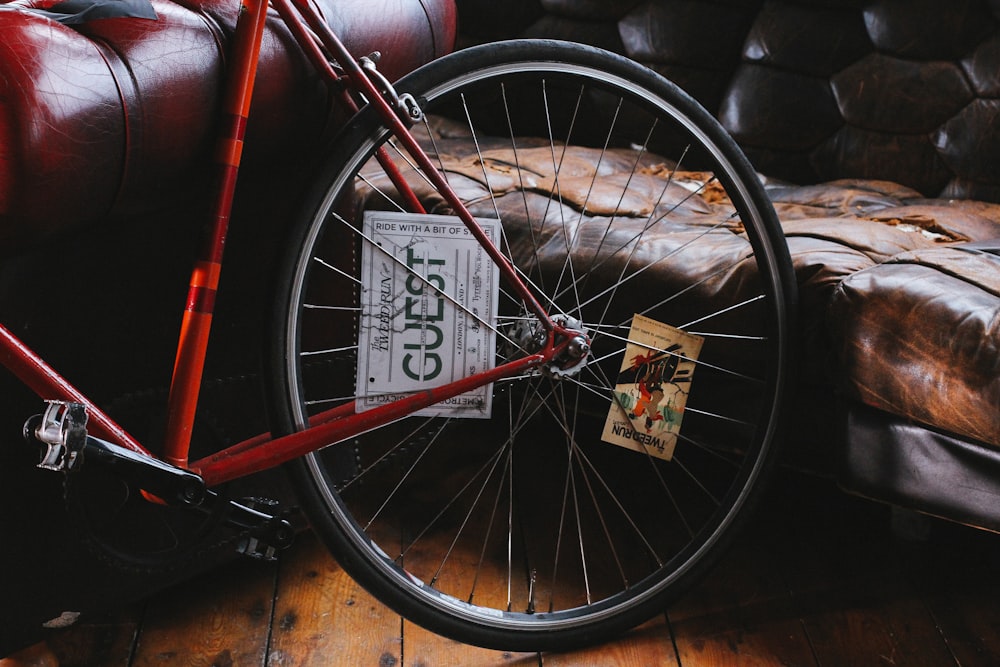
(104, 132)
(112, 118)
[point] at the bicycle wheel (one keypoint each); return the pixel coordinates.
(570, 502)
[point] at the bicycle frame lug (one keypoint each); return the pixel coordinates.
(62, 431)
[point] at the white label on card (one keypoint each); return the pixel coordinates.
(429, 304)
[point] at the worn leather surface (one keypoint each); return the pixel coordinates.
(899, 293)
(919, 337)
(114, 118)
(898, 461)
(900, 301)
(883, 115)
(814, 91)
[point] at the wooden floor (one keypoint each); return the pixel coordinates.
(818, 580)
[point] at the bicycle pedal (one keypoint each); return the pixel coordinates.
(256, 549)
(62, 433)
(268, 533)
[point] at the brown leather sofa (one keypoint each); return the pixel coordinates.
(104, 132)
(874, 124)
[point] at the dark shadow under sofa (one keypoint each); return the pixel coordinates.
(876, 126)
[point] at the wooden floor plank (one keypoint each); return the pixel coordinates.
(322, 617)
(873, 624)
(218, 619)
(818, 579)
(107, 640)
(424, 648)
(856, 604)
(104, 640)
(649, 644)
(741, 613)
(956, 575)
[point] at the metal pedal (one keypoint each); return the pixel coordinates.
(62, 432)
(64, 445)
(268, 533)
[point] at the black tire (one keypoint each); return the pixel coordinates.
(556, 537)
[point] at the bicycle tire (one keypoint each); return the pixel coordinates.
(525, 531)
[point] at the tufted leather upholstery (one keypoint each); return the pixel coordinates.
(938, 311)
(899, 294)
(903, 90)
(875, 124)
(115, 117)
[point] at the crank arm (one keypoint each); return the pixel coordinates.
(171, 485)
(64, 445)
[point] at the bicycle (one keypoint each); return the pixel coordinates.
(526, 395)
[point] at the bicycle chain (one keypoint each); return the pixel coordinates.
(213, 521)
(159, 565)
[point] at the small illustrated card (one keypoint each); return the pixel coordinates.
(429, 306)
(652, 388)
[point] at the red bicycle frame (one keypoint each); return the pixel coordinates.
(264, 451)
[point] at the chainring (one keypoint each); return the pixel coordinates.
(129, 531)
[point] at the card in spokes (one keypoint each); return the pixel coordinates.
(652, 388)
(428, 310)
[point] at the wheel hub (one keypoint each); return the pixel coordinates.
(574, 356)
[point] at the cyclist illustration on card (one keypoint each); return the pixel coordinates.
(652, 388)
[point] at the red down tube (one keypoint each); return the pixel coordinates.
(42, 379)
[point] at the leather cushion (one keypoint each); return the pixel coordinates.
(899, 294)
(919, 337)
(115, 118)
